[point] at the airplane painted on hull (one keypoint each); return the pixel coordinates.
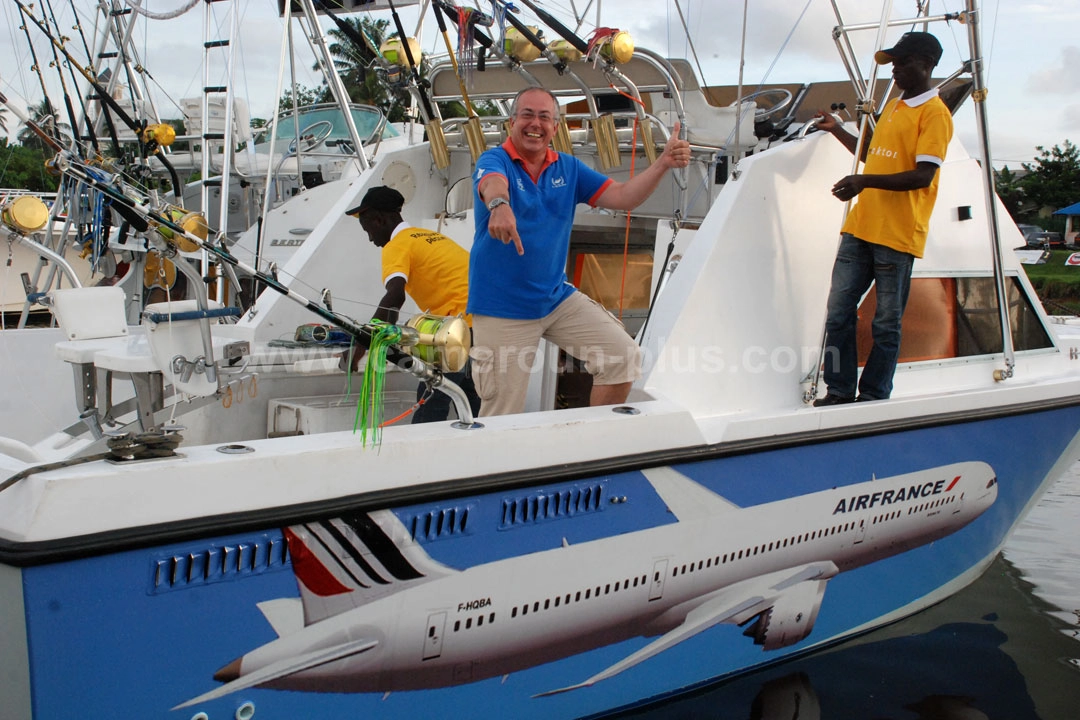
(380, 615)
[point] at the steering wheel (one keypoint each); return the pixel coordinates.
(312, 136)
(762, 113)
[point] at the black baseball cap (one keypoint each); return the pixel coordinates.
(379, 198)
(912, 43)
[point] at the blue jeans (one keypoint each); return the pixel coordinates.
(437, 407)
(858, 263)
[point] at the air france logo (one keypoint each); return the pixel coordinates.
(520, 185)
(888, 497)
(480, 173)
(558, 182)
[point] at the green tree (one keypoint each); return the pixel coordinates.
(1053, 182)
(43, 116)
(24, 167)
(360, 71)
(3, 119)
(1011, 191)
(304, 96)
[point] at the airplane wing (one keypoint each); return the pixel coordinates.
(734, 604)
(284, 668)
(686, 499)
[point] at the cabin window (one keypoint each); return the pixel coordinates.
(588, 593)
(524, 609)
(468, 623)
(457, 625)
(557, 598)
(958, 317)
(491, 618)
(577, 598)
(607, 589)
(513, 612)
(479, 621)
(547, 603)
(536, 606)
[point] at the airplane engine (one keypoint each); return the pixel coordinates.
(791, 617)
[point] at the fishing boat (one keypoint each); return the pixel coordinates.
(212, 527)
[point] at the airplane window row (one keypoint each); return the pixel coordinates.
(930, 505)
(887, 516)
(763, 548)
(575, 597)
(469, 622)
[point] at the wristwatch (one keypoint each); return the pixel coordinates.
(496, 202)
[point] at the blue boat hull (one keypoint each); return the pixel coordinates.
(139, 632)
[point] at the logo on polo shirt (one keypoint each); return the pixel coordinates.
(558, 182)
(520, 185)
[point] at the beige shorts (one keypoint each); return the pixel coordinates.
(504, 352)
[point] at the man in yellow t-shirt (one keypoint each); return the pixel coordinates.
(886, 229)
(431, 268)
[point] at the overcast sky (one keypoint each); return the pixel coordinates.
(1032, 52)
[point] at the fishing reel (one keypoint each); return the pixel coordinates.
(193, 223)
(517, 46)
(24, 215)
(393, 51)
(442, 342)
(611, 44)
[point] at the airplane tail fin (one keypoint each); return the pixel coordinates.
(348, 561)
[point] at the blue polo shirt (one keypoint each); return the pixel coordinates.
(530, 286)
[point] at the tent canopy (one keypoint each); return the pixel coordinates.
(1073, 209)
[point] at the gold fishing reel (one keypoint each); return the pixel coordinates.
(24, 214)
(612, 44)
(437, 340)
(161, 134)
(190, 222)
(565, 51)
(518, 46)
(394, 52)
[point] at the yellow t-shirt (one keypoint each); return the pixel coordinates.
(908, 132)
(435, 268)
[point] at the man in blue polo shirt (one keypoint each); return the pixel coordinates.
(526, 194)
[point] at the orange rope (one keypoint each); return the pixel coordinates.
(415, 407)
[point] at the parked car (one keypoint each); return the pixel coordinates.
(1028, 230)
(1045, 240)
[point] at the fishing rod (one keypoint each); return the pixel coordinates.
(64, 88)
(49, 110)
(150, 137)
(436, 138)
(474, 133)
(142, 218)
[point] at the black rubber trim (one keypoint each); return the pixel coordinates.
(28, 554)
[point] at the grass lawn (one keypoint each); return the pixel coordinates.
(1057, 284)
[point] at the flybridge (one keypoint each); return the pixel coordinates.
(888, 497)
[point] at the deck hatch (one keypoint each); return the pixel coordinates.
(232, 561)
(551, 505)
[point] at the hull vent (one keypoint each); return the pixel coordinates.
(440, 523)
(551, 505)
(232, 561)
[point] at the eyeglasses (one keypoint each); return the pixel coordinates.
(529, 116)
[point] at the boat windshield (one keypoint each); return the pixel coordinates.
(365, 117)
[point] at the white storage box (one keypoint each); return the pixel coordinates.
(329, 413)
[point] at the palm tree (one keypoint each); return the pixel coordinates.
(356, 65)
(44, 117)
(3, 119)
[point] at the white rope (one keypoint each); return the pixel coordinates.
(138, 8)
